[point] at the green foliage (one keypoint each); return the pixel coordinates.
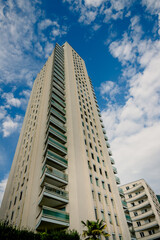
(94, 230)
(8, 232)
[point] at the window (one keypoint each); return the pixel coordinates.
(98, 159)
(101, 153)
(103, 185)
(92, 155)
(138, 224)
(135, 214)
(106, 201)
(15, 200)
(20, 196)
(113, 236)
(10, 204)
(100, 171)
(95, 211)
(89, 166)
(102, 213)
(110, 219)
(141, 234)
(93, 194)
(91, 180)
(94, 167)
(12, 215)
(116, 220)
(151, 232)
(130, 195)
(103, 163)
(106, 174)
(97, 182)
(90, 144)
(96, 149)
(127, 188)
(112, 202)
(109, 188)
(99, 197)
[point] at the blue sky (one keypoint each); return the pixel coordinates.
(119, 41)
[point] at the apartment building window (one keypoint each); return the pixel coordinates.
(135, 214)
(151, 232)
(120, 237)
(110, 219)
(106, 201)
(106, 174)
(90, 144)
(102, 213)
(98, 159)
(113, 236)
(127, 188)
(96, 149)
(141, 234)
(109, 188)
(99, 197)
(103, 185)
(138, 224)
(97, 182)
(93, 194)
(100, 171)
(12, 215)
(144, 210)
(95, 211)
(92, 155)
(116, 220)
(15, 200)
(94, 167)
(10, 204)
(91, 180)
(130, 195)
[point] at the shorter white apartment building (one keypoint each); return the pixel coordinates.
(144, 209)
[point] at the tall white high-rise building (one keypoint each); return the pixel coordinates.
(62, 170)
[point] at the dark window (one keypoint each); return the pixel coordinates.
(109, 188)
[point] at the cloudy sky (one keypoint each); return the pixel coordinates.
(120, 43)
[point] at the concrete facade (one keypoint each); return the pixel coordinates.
(63, 172)
(144, 209)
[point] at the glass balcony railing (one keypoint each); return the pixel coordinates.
(57, 145)
(56, 191)
(121, 191)
(61, 78)
(108, 145)
(58, 134)
(124, 203)
(55, 85)
(58, 94)
(117, 180)
(58, 106)
(57, 71)
(128, 217)
(109, 152)
(60, 59)
(54, 157)
(114, 169)
(112, 160)
(59, 68)
(58, 82)
(60, 101)
(58, 115)
(53, 171)
(57, 123)
(52, 217)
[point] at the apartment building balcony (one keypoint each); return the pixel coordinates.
(133, 189)
(61, 84)
(58, 107)
(99, 114)
(59, 67)
(106, 138)
(136, 197)
(59, 100)
(121, 192)
(101, 120)
(55, 85)
(102, 125)
(57, 134)
(117, 180)
(54, 160)
(114, 170)
(57, 124)
(52, 196)
(109, 152)
(146, 226)
(112, 160)
(56, 146)
(124, 204)
(53, 176)
(57, 92)
(50, 218)
(58, 115)
(59, 72)
(128, 218)
(59, 76)
(143, 215)
(139, 206)
(104, 131)
(107, 144)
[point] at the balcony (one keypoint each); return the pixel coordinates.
(57, 72)
(60, 67)
(112, 160)
(102, 125)
(128, 218)
(136, 197)
(124, 204)
(57, 114)
(104, 131)
(57, 134)
(60, 148)
(52, 196)
(51, 218)
(99, 114)
(121, 192)
(58, 106)
(57, 81)
(114, 170)
(55, 85)
(146, 226)
(106, 138)
(101, 120)
(60, 101)
(139, 206)
(55, 160)
(143, 215)
(58, 94)
(109, 152)
(117, 180)
(58, 124)
(107, 144)
(133, 189)
(53, 176)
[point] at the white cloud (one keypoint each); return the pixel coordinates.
(110, 89)
(11, 100)
(11, 125)
(48, 49)
(3, 184)
(96, 27)
(134, 128)
(153, 6)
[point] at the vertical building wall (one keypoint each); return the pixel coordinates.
(63, 171)
(144, 209)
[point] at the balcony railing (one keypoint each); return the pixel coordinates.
(143, 215)
(58, 106)
(54, 218)
(53, 176)
(52, 196)
(109, 152)
(59, 100)
(147, 226)
(57, 123)
(121, 191)
(112, 160)
(54, 160)
(57, 145)
(58, 115)
(124, 204)
(58, 93)
(128, 217)
(114, 169)
(55, 85)
(58, 134)
(117, 180)
(141, 205)
(108, 145)
(136, 197)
